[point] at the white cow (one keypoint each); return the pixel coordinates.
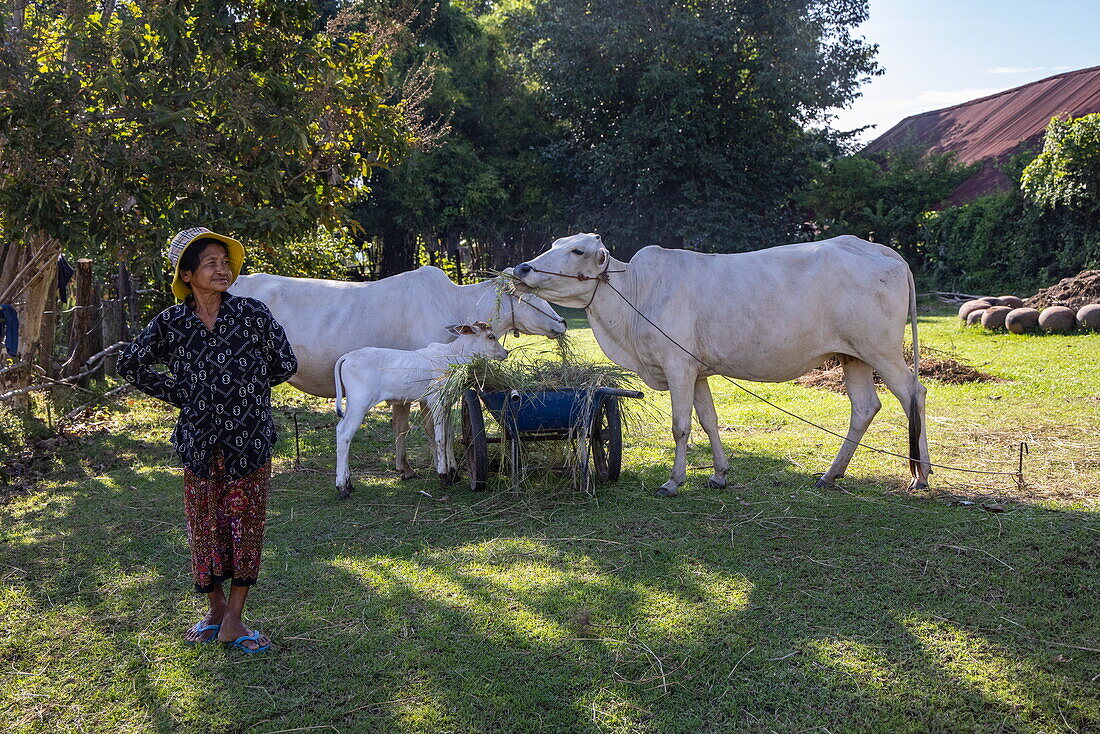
(326, 319)
(770, 316)
(372, 374)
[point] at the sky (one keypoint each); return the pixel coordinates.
(938, 53)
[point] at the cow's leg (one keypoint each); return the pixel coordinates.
(437, 417)
(708, 418)
(911, 394)
(429, 428)
(859, 381)
(400, 423)
(452, 463)
(681, 389)
(354, 413)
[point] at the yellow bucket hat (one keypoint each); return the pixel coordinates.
(184, 238)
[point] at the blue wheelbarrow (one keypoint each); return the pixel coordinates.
(591, 417)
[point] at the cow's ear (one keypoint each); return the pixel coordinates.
(452, 329)
(482, 325)
(602, 256)
(465, 330)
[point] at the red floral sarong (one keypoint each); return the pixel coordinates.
(225, 524)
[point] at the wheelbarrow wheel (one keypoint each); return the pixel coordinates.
(605, 440)
(473, 436)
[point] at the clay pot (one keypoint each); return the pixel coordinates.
(1022, 320)
(970, 306)
(994, 317)
(974, 317)
(1058, 319)
(1011, 301)
(1089, 317)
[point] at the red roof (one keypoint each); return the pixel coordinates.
(992, 128)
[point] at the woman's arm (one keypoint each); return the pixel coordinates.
(281, 362)
(135, 365)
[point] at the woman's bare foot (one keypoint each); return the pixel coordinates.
(206, 628)
(232, 631)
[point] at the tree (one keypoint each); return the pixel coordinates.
(486, 182)
(688, 121)
(882, 198)
(123, 122)
(120, 127)
(1067, 171)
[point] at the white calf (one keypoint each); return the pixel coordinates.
(371, 375)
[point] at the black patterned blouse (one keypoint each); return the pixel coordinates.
(220, 379)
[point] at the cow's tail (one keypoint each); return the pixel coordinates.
(339, 387)
(914, 406)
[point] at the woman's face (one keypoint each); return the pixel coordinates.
(212, 274)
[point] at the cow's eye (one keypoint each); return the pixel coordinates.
(578, 252)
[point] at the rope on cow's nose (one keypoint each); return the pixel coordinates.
(1017, 474)
(601, 278)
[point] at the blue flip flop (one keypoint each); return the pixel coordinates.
(254, 637)
(199, 628)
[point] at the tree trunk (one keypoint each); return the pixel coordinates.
(450, 246)
(398, 253)
(49, 325)
(84, 336)
(128, 296)
(113, 329)
(28, 277)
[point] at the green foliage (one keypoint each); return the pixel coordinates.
(324, 253)
(118, 130)
(687, 123)
(1003, 243)
(485, 182)
(882, 199)
(1067, 171)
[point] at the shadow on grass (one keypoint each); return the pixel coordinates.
(764, 606)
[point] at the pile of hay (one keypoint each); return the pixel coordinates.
(1080, 290)
(528, 373)
(933, 365)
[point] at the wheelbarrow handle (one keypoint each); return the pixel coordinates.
(620, 393)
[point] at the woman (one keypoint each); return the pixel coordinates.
(223, 353)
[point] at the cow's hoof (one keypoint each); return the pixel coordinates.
(345, 491)
(824, 483)
(666, 492)
(716, 482)
(407, 477)
(446, 480)
(917, 485)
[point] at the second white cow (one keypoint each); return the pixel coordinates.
(676, 317)
(371, 375)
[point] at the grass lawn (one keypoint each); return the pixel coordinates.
(765, 606)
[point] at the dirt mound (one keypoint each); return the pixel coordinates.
(1075, 292)
(830, 376)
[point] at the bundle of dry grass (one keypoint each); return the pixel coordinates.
(527, 373)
